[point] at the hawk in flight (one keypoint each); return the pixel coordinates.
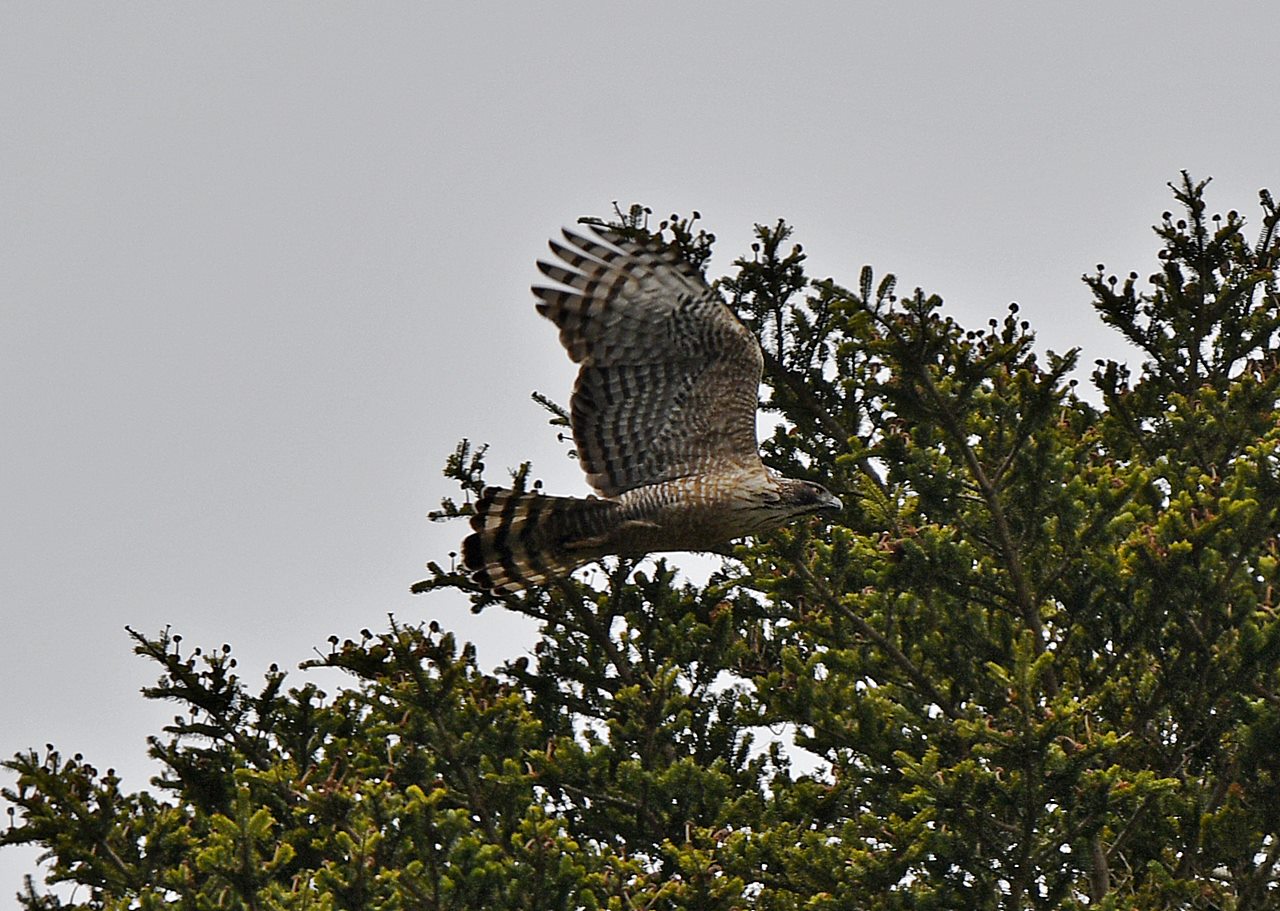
(663, 416)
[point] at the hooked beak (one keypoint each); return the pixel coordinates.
(831, 505)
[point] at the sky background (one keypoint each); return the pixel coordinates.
(261, 266)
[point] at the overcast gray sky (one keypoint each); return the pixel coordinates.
(262, 265)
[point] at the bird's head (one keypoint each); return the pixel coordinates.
(803, 497)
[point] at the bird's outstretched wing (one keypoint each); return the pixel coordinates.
(669, 379)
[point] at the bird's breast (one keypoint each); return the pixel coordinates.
(695, 513)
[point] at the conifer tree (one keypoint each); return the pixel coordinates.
(1033, 665)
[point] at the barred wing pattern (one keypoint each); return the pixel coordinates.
(669, 378)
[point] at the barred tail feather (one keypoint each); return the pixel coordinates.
(525, 539)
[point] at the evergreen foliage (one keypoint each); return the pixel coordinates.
(1035, 662)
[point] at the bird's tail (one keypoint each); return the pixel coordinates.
(525, 539)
